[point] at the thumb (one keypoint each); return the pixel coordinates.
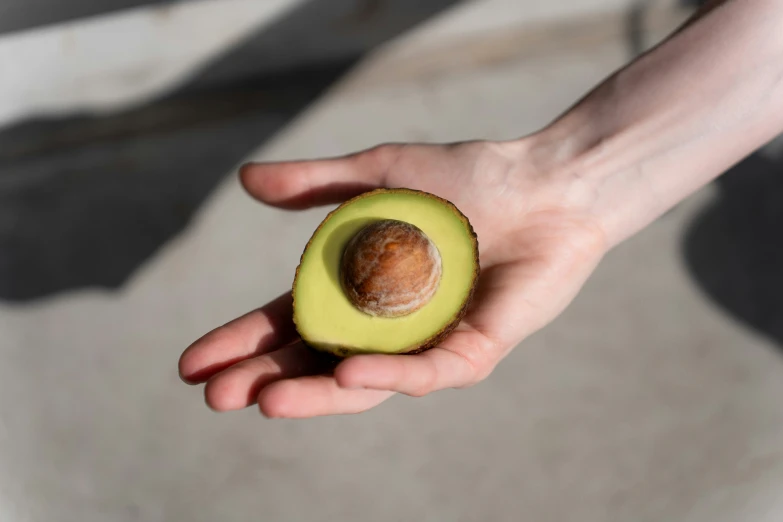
(304, 184)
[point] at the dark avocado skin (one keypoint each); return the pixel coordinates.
(340, 352)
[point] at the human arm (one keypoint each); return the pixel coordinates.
(675, 118)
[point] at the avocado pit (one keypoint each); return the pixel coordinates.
(390, 268)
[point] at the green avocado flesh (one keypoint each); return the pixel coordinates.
(326, 319)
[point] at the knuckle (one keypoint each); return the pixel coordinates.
(383, 153)
(479, 364)
(481, 374)
(475, 378)
(427, 384)
(420, 391)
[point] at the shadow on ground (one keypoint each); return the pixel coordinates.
(84, 201)
(19, 15)
(734, 248)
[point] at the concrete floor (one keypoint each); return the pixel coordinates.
(642, 402)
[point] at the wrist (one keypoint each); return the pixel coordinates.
(573, 159)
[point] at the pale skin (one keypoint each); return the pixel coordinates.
(546, 207)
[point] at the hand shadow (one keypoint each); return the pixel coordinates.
(734, 248)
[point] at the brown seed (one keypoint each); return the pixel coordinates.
(390, 268)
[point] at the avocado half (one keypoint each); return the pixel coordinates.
(328, 321)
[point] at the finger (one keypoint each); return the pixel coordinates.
(315, 396)
(304, 184)
(237, 387)
(462, 360)
(255, 333)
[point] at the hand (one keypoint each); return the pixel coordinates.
(537, 247)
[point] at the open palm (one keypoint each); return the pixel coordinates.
(536, 248)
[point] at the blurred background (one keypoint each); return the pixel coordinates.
(124, 236)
